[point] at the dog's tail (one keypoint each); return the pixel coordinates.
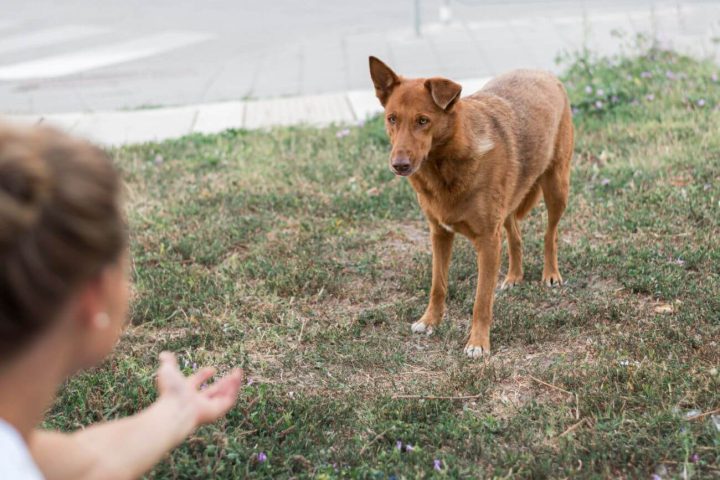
(528, 202)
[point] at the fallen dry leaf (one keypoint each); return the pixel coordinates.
(664, 308)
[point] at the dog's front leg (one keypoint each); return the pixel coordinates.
(488, 258)
(442, 241)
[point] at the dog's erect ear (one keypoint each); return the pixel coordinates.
(384, 78)
(444, 92)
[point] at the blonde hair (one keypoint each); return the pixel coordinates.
(61, 223)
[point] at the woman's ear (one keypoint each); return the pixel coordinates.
(99, 309)
(90, 304)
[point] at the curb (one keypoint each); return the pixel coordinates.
(117, 128)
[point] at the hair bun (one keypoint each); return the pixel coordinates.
(24, 185)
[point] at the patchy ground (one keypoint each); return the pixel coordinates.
(298, 256)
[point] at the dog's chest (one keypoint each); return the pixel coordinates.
(449, 203)
(447, 210)
(447, 227)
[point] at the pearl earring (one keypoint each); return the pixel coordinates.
(102, 320)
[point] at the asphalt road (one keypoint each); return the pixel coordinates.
(89, 55)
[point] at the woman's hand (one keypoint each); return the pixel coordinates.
(130, 446)
(203, 405)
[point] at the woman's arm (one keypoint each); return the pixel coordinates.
(126, 448)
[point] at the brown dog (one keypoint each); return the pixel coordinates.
(479, 163)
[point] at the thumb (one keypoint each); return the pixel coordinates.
(167, 358)
(168, 373)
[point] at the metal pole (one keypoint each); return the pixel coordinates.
(417, 19)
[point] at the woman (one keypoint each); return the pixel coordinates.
(63, 305)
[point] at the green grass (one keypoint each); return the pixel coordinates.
(299, 257)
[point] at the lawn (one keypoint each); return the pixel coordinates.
(297, 255)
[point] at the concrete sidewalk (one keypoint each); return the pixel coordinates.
(128, 127)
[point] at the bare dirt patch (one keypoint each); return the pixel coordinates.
(405, 239)
(528, 365)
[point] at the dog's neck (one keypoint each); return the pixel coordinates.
(454, 146)
(449, 153)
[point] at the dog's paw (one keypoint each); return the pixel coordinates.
(421, 327)
(476, 351)
(510, 281)
(552, 279)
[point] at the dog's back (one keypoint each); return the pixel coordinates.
(534, 95)
(538, 101)
(540, 123)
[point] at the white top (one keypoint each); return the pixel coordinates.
(15, 460)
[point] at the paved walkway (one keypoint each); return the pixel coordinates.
(515, 34)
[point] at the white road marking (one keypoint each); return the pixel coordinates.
(92, 58)
(4, 25)
(50, 36)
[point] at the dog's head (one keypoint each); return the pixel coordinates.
(418, 113)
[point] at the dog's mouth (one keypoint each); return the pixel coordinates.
(406, 172)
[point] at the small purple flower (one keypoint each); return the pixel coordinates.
(194, 366)
(343, 133)
(262, 458)
(159, 160)
(437, 464)
(599, 105)
(655, 476)
(575, 110)
(404, 448)
(605, 182)
(679, 261)
(250, 381)
(650, 97)
(701, 102)
(588, 89)
(714, 77)
(695, 458)
(600, 92)
(670, 75)
(645, 75)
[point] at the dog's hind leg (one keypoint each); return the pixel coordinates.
(515, 253)
(555, 184)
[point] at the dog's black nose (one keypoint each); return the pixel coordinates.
(401, 165)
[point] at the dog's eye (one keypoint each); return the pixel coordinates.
(423, 120)
(392, 119)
